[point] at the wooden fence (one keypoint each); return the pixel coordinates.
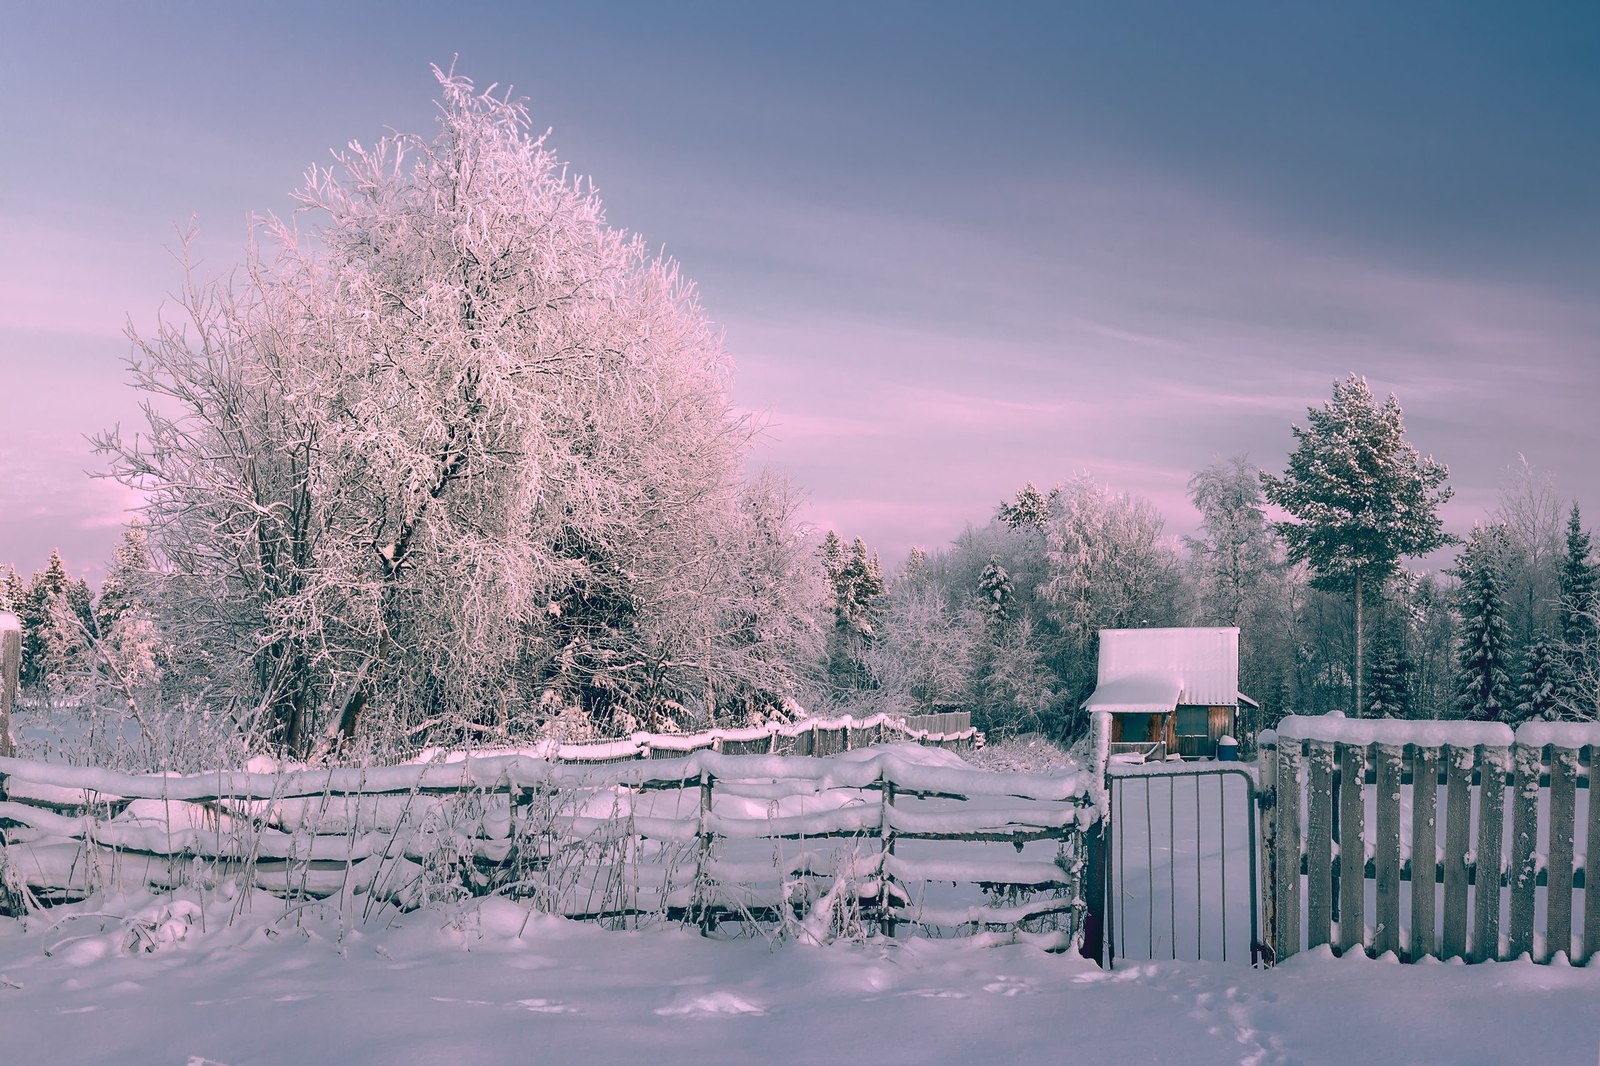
(807, 736)
(1457, 877)
(817, 846)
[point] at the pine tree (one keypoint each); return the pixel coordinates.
(1542, 681)
(1578, 620)
(1361, 496)
(124, 617)
(1388, 677)
(996, 592)
(1483, 682)
(1031, 509)
(857, 580)
(55, 608)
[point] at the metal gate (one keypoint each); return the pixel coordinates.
(1180, 864)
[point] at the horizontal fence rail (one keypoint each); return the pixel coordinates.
(807, 736)
(1444, 839)
(821, 847)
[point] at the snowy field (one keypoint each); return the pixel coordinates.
(494, 984)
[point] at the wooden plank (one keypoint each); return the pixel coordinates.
(1524, 858)
(1488, 868)
(1319, 844)
(1286, 859)
(1267, 798)
(1424, 848)
(1386, 852)
(1591, 866)
(1563, 827)
(1352, 847)
(1457, 839)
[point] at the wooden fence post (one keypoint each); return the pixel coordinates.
(702, 873)
(1424, 848)
(1286, 848)
(1493, 763)
(1563, 827)
(10, 673)
(1352, 847)
(1319, 844)
(1591, 865)
(1386, 852)
(886, 847)
(1267, 753)
(1524, 845)
(1457, 839)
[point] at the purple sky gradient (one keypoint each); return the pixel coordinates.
(953, 251)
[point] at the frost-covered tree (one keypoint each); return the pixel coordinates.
(995, 592)
(1110, 567)
(55, 614)
(1541, 682)
(857, 583)
(1578, 622)
(1361, 499)
(1530, 513)
(1388, 688)
(1483, 656)
(1015, 690)
(124, 616)
(1235, 552)
(922, 655)
(455, 457)
(1031, 508)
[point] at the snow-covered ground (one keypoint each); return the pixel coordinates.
(494, 984)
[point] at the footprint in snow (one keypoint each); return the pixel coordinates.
(711, 1003)
(544, 1006)
(1008, 986)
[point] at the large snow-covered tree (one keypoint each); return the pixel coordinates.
(1578, 623)
(453, 458)
(1483, 656)
(1361, 499)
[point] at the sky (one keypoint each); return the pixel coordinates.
(954, 247)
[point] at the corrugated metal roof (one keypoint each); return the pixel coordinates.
(1136, 694)
(1204, 662)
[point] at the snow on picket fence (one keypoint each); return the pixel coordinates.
(814, 847)
(1508, 884)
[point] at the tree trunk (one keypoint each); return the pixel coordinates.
(1361, 641)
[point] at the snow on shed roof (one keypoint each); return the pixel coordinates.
(1136, 694)
(1203, 662)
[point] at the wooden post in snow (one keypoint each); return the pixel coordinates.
(10, 674)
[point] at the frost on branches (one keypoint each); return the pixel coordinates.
(455, 459)
(1362, 499)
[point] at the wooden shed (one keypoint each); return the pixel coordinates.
(1169, 691)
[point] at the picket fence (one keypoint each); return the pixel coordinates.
(853, 845)
(1331, 844)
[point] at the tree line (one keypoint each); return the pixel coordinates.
(450, 460)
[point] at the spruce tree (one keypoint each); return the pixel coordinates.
(1388, 677)
(1031, 509)
(996, 592)
(1578, 619)
(1542, 681)
(1362, 499)
(1483, 681)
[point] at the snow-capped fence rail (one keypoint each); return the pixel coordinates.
(1509, 877)
(806, 736)
(811, 846)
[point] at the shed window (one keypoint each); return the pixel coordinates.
(1192, 722)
